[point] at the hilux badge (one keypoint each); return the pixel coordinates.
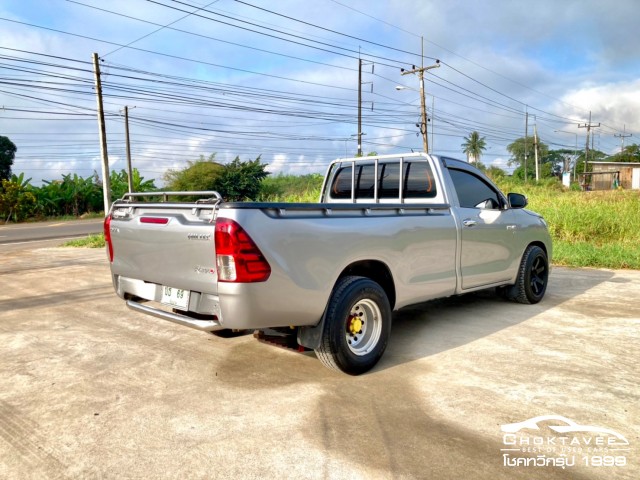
(199, 236)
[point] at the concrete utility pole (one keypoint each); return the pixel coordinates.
(622, 136)
(360, 83)
(535, 147)
(588, 126)
(423, 105)
(126, 135)
(526, 140)
(106, 186)
(359, 107)
(575, 152)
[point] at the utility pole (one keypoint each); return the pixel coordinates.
(359, 107)
(588, 126)
(622, 137)
(535, 146)
(433, 120)
(423, 106)
(126, 135)
(526, 140)
(106, 186)
(360, 83)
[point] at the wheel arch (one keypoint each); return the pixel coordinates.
(375, 270)
(540, 244)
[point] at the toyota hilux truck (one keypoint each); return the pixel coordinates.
(389, 231)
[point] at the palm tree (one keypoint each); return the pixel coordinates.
(473, 147)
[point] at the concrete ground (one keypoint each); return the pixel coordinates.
(90, 389)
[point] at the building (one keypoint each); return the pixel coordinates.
(608, 175)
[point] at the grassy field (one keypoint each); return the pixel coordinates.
(589, 229)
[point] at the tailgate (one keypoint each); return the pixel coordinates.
(170, 245)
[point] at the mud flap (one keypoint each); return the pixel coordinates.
(310, 336)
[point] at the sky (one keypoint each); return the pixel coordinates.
(279, 80)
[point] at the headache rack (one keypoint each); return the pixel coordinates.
(125, 206)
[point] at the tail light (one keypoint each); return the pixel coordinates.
(237, 256)
(107, 237)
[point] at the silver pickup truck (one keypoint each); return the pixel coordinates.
(389, 231)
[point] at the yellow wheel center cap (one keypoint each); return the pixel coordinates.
(355, 325)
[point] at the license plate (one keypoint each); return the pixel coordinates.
(175, 297)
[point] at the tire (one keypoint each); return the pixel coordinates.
(356, 327)
(533, 276)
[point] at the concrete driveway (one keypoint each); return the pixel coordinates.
(89, 389)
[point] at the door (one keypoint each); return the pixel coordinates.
(635, 179)
(488, 229)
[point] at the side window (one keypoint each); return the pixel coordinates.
(419, 181)
(365, 180)
(473, 192)
(341, 187)
(389, 180)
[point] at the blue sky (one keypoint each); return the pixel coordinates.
(279, 79)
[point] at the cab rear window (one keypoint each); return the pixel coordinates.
(417, 177)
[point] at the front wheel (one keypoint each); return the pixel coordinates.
(357, 326)
(533, 276)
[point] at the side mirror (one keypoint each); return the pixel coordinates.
(517, 200)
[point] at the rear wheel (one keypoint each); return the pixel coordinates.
(357, 326)
(533, 277)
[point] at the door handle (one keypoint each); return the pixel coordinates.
(469, 223)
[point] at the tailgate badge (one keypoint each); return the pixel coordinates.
(204, 270)
(199, 236)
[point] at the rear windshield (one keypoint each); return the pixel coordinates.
(417, 176)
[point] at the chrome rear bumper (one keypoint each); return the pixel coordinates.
(202, 325)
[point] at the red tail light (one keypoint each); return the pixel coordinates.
(237, 256)
(107, 236)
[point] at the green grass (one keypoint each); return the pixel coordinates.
(589, 229)
(90, 241)
(290, 188)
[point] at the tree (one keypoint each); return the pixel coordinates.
(241, 180)
(561, 160)
(630, 153)
(7, 154)
(517, 151)
(17, 202)
(198, 176)
(73, 195)
(473, 147)
(594, 155)
(120, 184)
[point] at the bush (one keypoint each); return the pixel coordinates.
(17, 202)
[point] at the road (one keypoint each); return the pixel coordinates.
(28, 235)
(90, 389)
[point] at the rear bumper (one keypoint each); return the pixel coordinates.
(203, 325)
(135, 292)
(242, 306)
